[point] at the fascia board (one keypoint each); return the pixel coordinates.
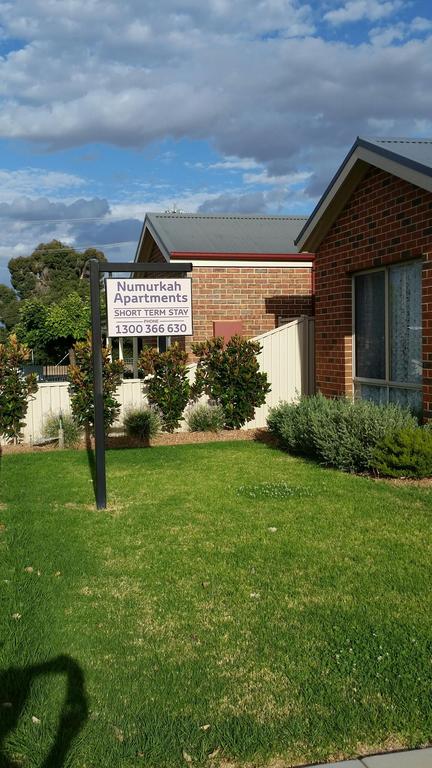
(148, 226)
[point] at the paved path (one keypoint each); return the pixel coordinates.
(417, 758)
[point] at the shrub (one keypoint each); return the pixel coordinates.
(81, 385)
(291, 423)
(15, 388)
(404, 453)
(71, 430)
(338, 433)
(205, 418)
(167, 384)
(230, 376)
(142, 423)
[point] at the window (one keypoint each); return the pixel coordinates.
(388, 335)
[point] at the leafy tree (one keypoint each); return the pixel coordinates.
(230, 375)
(50, 330)
(31, 328)
(52, 271)
(15, 388)
(9, 307)
(81, 385)
(167, 384)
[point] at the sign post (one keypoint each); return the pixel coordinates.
(148, 306)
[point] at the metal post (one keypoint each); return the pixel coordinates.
(96, 269)
(99, 429)
(135, 357)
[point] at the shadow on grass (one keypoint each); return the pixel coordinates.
(91, 460)
(15, 687)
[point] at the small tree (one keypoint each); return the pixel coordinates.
(166, 382)
(15, 388)
(229, 374)
(81, 386)
(52, 329)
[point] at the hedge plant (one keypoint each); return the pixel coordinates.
(71, 430)
(229, 375)
(142, 423)
(166, 382)
(81, 386)
(205, 418)
(15, 388)
(404, 453)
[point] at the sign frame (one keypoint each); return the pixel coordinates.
(173, 310)
(98, 268)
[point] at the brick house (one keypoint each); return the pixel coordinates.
(371, 233)
(247, 272)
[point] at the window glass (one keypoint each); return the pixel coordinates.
(405, 323)
(370, 325)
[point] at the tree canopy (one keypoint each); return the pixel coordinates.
(50, 330)
(49, 302)
(9, 307)
(52, 271)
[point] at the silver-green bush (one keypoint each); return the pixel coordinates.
(205, 418)
(142, 423)
(336, 432)
(71, 430)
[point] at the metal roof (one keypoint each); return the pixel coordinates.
(412, 152)
(410, 159)
(224, 233)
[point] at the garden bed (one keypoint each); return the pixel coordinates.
(175, 438)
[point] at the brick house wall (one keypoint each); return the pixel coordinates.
(257, 296)
(386, 221)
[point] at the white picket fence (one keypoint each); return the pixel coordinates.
(287, 358)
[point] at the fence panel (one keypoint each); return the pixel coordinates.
(286, 359)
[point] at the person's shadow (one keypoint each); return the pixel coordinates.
(15, 686)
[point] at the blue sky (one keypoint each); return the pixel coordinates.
(113, 108)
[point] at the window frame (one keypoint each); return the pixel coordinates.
(387, 383)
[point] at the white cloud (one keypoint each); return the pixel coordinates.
(252, 77)
(235, 163)
(357, 10)
(382, 36)
(420, 24)
(286, 180)
(33, 181)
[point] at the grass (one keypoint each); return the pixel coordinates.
(232, 601)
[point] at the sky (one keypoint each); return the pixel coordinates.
(111, 108)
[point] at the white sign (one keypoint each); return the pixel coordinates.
(155, 306)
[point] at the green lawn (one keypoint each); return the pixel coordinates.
(205, 611)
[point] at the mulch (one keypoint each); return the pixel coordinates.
(177, 438)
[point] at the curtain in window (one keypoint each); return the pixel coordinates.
(407, 398)
(405, 323)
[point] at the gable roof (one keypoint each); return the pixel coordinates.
(409, 159)
(222, 234)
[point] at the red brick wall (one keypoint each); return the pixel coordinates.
(255, 295)
(386, 221)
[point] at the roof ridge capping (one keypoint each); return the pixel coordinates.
(396, 140)
(277, 217)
